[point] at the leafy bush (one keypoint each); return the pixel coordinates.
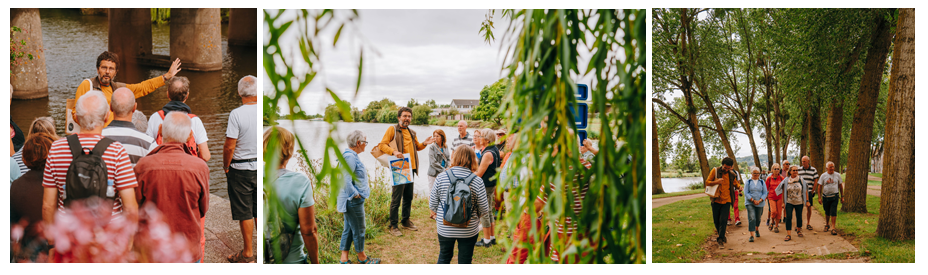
(420, 114)
(387, 115)
(441, 121)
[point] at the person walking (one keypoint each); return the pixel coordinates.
(796, 198)
(736, 210)
(399, 140)
(775, 200)
(351, 200)
(725, 179)
(832, 190)
(810, 176)
(463, 164)
(439, 156)
(297, 212)
(755, 192)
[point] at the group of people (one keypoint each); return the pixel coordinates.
(159, 160)
(476, 159)
(785, 190)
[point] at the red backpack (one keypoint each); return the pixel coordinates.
(190, 146)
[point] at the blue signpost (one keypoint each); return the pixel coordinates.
(581, 111)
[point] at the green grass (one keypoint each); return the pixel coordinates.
(674, 194)
(686, 223)
(860, 229)
(869, 182)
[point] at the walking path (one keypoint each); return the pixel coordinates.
(655, 203)
(223, 236)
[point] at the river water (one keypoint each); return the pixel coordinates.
(314, 133)
(679, 184)
(72, 43)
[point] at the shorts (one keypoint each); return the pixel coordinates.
(243, 195)
(831, 205)
(811, 196)
(487, 220)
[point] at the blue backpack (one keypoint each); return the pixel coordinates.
(459, 204)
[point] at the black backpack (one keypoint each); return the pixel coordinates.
(459, 203)
(87, 175)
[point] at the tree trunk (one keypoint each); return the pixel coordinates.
(816, 139)
(713, 114)
(862, 127)
(804, 136)
(693, 124)
(749, 130)
(897, 203)
(656, 187)
(833, 140)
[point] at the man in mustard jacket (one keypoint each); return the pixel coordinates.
(407, 144)
(721, 205)
(106, 73)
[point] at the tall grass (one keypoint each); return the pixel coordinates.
(330, 222)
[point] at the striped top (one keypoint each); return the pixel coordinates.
(439, 196)
(809, 176)
(119, 169)
(568, 227)
(19, 161)
(137, 144)
(467, 140)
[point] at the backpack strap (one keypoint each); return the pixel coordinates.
(75, 144)
(100, 148)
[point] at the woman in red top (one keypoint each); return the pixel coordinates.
(776, 201)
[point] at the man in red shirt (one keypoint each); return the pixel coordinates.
(92, 110)
(176, 182)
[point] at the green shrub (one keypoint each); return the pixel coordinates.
(441, 121)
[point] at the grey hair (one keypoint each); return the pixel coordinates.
(354, 137)
(176, 127)
(489, 135)
(462, 121)
(247, 86)
(122, 105)
(140, 121)
(42, 125)
(92, 110)
(755, 169)
(827, 163)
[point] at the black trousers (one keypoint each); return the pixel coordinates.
(401, 194)
(720, 214)
(465, 249)
(789, 216)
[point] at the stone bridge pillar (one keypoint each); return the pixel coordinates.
(196, 38)
(243, 27)
(29, 79)
(129, 36)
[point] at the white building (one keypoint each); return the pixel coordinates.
(464, 105)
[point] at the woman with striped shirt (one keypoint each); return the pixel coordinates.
(463, 164)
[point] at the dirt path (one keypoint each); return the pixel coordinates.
(655, 203)
(771, 247)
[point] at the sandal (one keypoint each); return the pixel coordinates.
(776, 229)
(788, 237)
(834, 231)
(770, 227)
(809, 227)
(369, 261)
(827, 227)
(799, 232)
(348, 262)
(240, 258)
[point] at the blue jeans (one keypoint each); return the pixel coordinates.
(754, 214)
(354, 226)
(465, 249)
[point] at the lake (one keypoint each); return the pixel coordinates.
(72, 43)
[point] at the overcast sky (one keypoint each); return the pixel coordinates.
(423, 54)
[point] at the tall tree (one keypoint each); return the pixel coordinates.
(862, 127)
(676, 47)
(897, 203)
